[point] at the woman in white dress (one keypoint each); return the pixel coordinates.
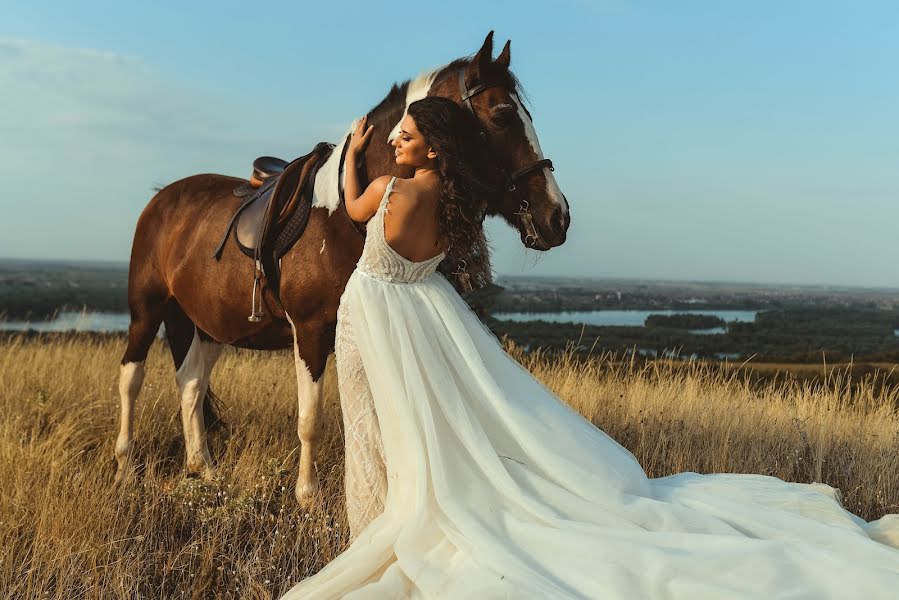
(468, 478)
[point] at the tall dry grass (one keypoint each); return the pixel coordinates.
(67, 532)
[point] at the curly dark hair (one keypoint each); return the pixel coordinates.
(465, 180)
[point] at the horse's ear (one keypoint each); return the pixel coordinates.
(481, 61)
(505, 57)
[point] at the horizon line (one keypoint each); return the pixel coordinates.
(886, 288)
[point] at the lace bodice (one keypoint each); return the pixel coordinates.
(381, 261)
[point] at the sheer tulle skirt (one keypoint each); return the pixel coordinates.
(498, 489)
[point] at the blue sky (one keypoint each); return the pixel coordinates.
(753, 141)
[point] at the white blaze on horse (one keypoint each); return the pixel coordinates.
(300, 266)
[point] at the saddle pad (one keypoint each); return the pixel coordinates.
(288, 235)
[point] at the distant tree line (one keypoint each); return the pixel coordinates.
(788, 335)
(804, 332)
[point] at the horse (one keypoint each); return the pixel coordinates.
(172, 279)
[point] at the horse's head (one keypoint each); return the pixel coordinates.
(530, 199)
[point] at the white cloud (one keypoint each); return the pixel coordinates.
(85, 134)
(81, 97)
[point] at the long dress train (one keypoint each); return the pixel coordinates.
(498, 489)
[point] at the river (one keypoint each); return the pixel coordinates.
(628, 318)
(73, 321)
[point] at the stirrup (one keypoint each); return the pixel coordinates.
(255, 317)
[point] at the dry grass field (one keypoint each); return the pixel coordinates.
(66, 532)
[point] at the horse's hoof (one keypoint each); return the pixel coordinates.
(204, 473)
(125, 475)
(305, 494)
(199, 469)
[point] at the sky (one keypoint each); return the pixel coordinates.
(706, 141)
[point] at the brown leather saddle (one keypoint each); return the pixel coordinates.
(273, 216)
(264, 168)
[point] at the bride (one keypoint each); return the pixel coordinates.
(467, 478)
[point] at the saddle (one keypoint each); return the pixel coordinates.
(264, 168)
(273, 216)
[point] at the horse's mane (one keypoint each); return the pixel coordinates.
(398, 91)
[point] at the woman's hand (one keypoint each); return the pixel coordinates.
(360, 137)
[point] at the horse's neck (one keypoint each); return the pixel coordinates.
(379, 159)
(387, 116)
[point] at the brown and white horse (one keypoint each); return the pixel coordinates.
(202, 302)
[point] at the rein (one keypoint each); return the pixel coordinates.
(341, 198)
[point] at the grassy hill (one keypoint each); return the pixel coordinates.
(67, 532)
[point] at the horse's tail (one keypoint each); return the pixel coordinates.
(212, 407)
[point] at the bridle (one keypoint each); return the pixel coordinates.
(510, 179)
(517, 175)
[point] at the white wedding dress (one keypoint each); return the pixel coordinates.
(468, 478)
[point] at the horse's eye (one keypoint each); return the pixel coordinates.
(502, 115)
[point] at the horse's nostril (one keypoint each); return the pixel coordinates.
(558, 220)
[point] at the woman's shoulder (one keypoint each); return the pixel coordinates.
(380, 183)
(416, 189)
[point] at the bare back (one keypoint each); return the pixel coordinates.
(411, 222)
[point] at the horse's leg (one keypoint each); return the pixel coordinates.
(194, 359)
(310, 367)
(146, 314)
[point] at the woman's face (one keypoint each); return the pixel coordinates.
(410, 147)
